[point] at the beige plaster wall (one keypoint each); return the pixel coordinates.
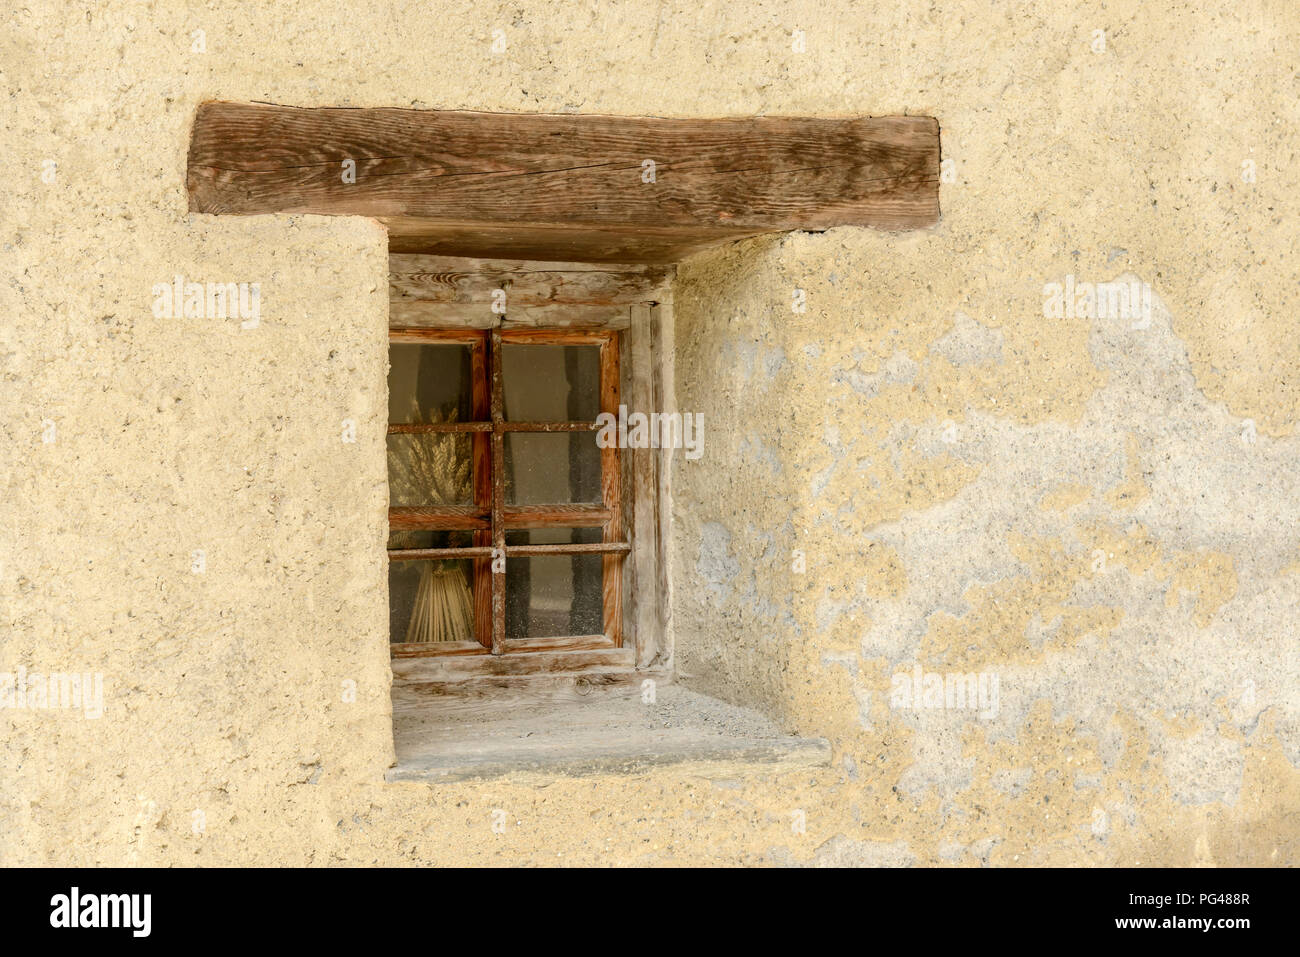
(949, 461)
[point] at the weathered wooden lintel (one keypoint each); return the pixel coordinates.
(570, 187)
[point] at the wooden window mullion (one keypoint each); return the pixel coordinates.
(481, 398)
(498, 641)
(611, 497)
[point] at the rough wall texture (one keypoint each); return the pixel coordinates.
(1101, 517)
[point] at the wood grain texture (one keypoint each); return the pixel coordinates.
(496, 406)
(603, 244)
(511, 185)
(399, 333)
(563, 655)
(481, 471)
(565, 337)
(661, 349)
(611, 497)
(416, 313)
(422, 649)
(645, 494)
(555, 516)
(474, 283)
(437, 517)
(466, 697)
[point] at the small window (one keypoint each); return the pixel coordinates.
(505, 528)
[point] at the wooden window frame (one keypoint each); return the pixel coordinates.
(489, 518)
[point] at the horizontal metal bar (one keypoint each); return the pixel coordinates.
(508, 426)
(577, 548)
(484, 551)
(430, 554)
(404, 428)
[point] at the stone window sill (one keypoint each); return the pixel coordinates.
(458, 738)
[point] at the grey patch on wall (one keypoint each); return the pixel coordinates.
(970, 343)
(848, 660)
(1213, 485)
(841, 851)
(898, 369)
(715, 566)
(755, 449)
(819, 481)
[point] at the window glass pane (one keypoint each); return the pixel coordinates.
(429, 383)
(551, 596)
(428, 468)
(430, 602)
(552, 468)
(550, 383)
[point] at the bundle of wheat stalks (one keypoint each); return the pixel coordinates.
(443, 609)
(431, 473)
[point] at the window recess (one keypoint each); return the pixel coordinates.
(473, 204)
(511, 531)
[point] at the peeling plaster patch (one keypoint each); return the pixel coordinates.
(774, 361)
(898, 369)
(780, 856)
(846, 660)
(983, 848)
(951, 852)
(739, 356)
(821, 480)
(1012, 781)
(1204, 768)
(1087, 782)
(753, 448)
(939, 765)
(841, 851)
(1152, 596)
(715, 565)
(743, 358)
(858, 381)
(863, 698)
(827, 611)
(763, 609)
(1037, 632)
(970, 343)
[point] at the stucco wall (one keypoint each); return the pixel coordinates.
(950, 461)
